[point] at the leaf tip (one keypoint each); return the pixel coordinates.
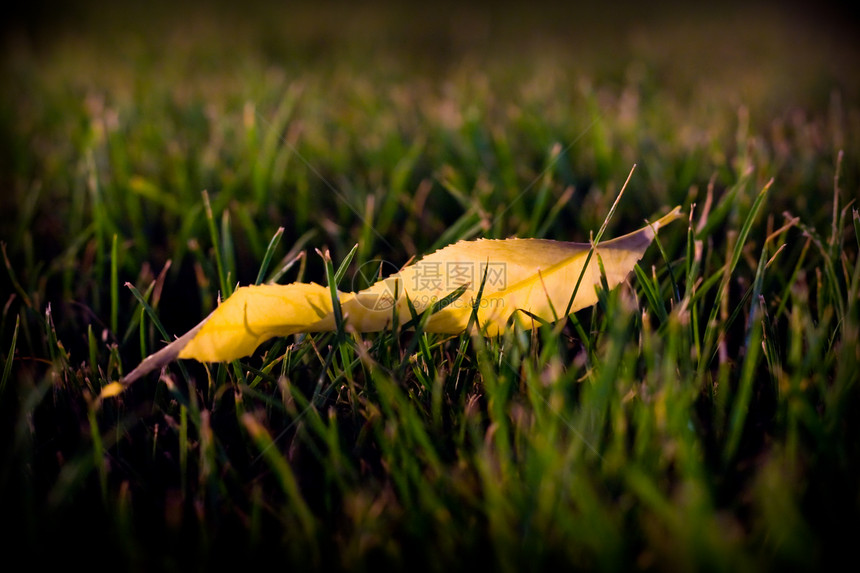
(111, 390)
(675, 213)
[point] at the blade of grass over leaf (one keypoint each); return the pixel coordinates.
(331, 279)
(595, 241)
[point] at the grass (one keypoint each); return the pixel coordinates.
(703, 416)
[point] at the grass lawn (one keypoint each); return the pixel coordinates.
(703, 415)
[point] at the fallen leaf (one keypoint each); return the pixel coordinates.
(523, 280)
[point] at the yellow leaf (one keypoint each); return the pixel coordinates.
(254, 314)
(522, 279)
(111, 390)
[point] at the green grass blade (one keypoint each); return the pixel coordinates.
(226, 290)
(114, 286)
(755, 334)
(284, 474)
(651, 293)
(713, 325)
(596, 241)
(156, 321)
(10, 357)
(344, 265)
(267, 258)
(228, 252)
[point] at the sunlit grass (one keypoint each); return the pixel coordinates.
(702, 416)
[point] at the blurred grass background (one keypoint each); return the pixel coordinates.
(400, 130)
(166, 101)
